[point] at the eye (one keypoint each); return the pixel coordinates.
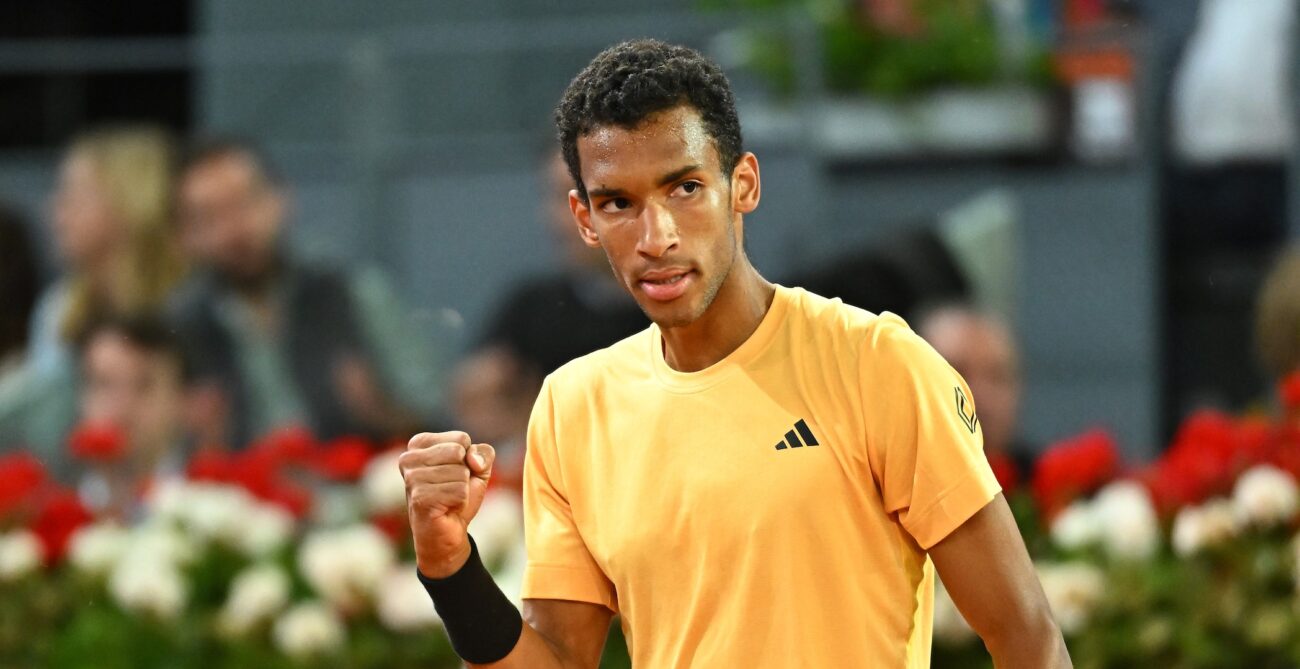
(687, 188)
(615, 205)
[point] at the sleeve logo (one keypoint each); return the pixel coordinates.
(966, 410)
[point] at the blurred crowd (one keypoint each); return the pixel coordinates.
(182, 320)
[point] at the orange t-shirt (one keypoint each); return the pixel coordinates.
(772, 510)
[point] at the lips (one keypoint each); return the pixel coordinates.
(665, 285)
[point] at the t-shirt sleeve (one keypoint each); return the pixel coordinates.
(559, 564)
(924, 441)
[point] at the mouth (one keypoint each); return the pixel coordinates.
(666, 285)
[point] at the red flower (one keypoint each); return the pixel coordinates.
(292, 497)
(395, 526)
(1073, 468)
(97, 442)
(1005, 470)
(1289, 391)
(21, 475)
(61, 513)
(343, 459)
(291, 444)
(210, 465)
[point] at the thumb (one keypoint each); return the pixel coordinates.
(480, 459)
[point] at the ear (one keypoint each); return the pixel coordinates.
(582, 215)
(745, 184)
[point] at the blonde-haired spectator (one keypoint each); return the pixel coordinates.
(111, 221)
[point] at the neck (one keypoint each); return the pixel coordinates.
(734, 315)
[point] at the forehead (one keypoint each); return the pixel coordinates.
(222, 171)
(662, 142)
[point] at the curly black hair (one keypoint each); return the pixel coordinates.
(633, 80)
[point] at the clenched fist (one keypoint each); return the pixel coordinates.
(446, 476)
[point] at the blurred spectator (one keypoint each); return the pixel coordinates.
(981, 348)
(1277, 316)
(553, 318)
(276, 340)
(898, 273)
(544, 322)
(19, 286)
(131, 409)
(111, 223)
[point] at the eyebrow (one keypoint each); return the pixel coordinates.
(663, 181)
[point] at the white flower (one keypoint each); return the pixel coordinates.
(20, 554)
(94, 549)
(151, 586)
(308, 629)
(403, 605)
(256, 594)
(345, 566)
(159, 543)
(382, 482)
(1127, 521)
(1200, 527)
(1076, 527)
(949, 626)
(1265, 496)
(1073, 590)
(267, 528)
(498, 528)
(211, 512)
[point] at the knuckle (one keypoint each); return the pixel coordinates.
(421, 441)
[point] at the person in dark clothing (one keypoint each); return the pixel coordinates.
(19, 287)
(275, 340)
(542, 323)
(550, 319)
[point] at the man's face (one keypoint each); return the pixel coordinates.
(133, 389)
(230, 216)
(663, 211)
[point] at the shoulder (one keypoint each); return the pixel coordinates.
(830, 321)
(622, 361)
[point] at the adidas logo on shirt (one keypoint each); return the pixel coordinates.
(792, 437)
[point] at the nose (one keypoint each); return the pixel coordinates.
(658, 232)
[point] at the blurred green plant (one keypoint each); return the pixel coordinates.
(885, 48)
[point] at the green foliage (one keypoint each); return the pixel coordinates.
(955, 44)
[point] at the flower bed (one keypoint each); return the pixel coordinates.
(289, 554)
(293, 553)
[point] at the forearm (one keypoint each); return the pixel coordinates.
(533, 652)
(1034, 645)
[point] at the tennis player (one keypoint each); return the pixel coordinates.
(763, 478)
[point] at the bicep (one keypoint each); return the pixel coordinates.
(987, 571)
(576, 631)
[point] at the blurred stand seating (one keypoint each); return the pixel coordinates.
(112, 227)
(277, 340)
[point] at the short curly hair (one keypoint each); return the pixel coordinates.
(631, 81)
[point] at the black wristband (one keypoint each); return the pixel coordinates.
(480, 621)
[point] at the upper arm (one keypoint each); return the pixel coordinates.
(925, 445)
(576, 631)
(988, 573)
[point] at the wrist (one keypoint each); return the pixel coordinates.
(482, 623)
(446, 566)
